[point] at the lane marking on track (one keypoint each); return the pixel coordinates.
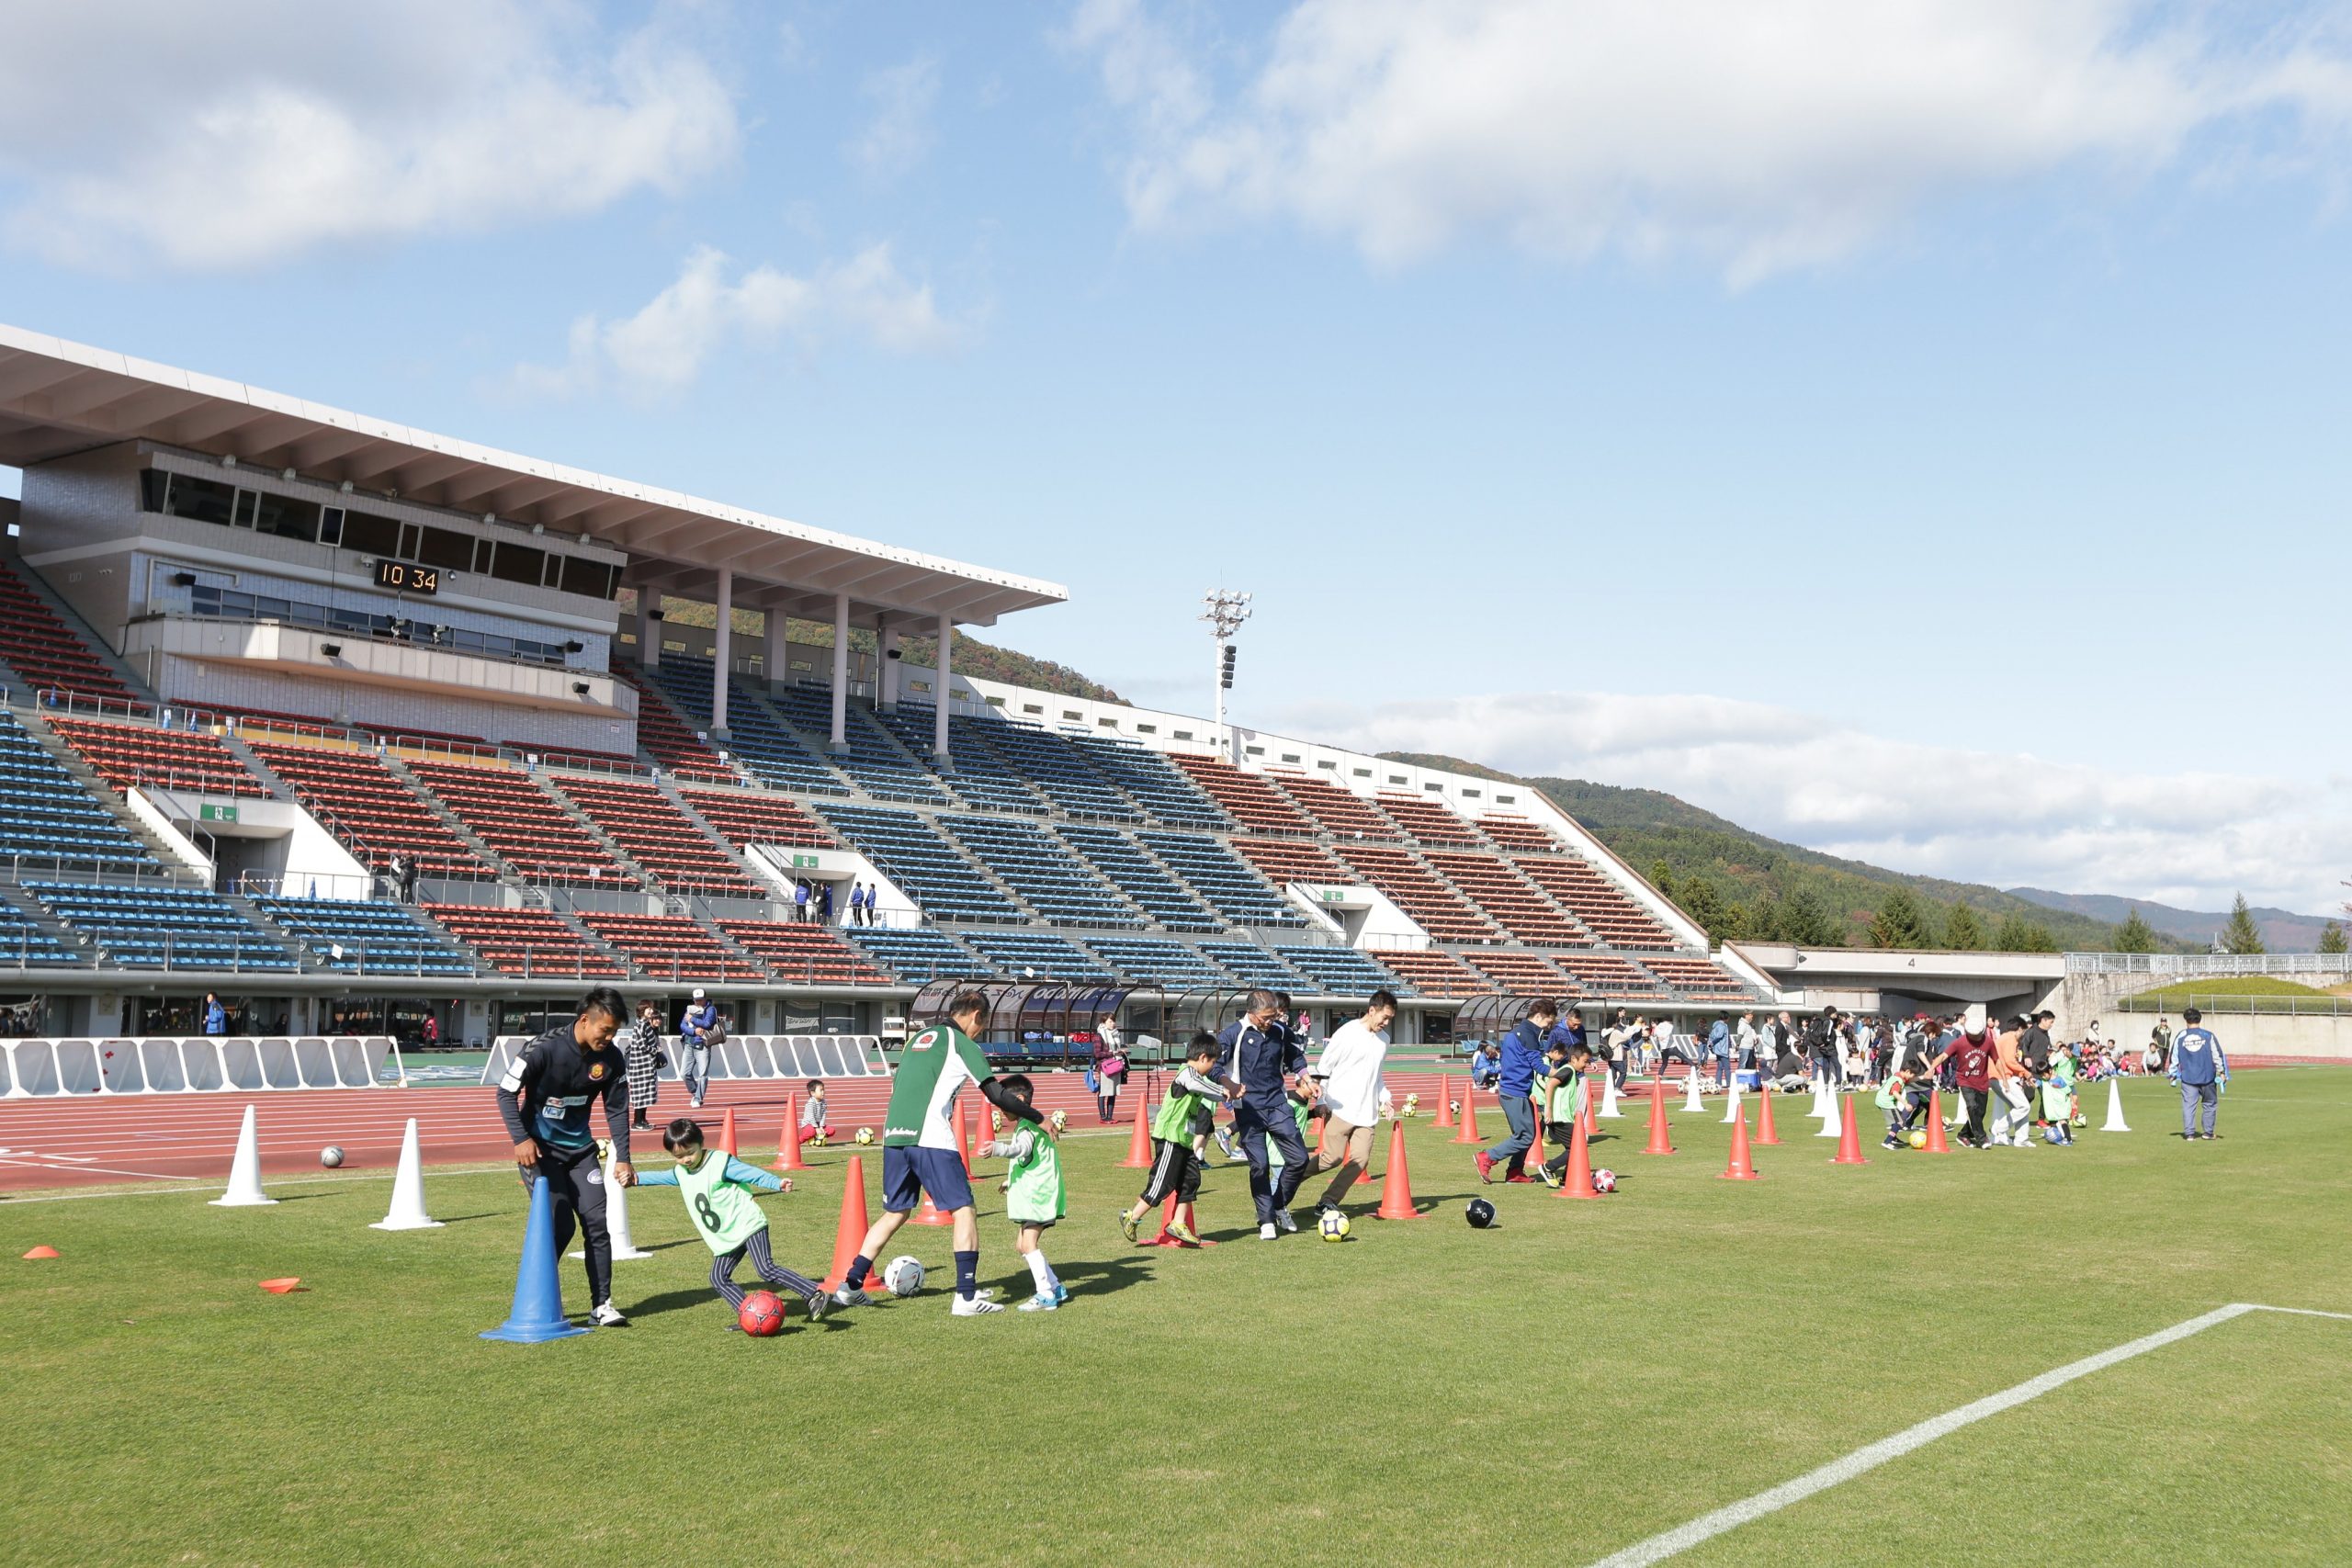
(1682, 1538)
(36, 1162)
(211, 1183)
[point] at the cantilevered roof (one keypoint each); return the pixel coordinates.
(59, 398)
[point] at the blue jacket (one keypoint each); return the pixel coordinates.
(1719, 1039)
(1257, 1059)
(697, 1020)
(215, 1020)
(2197, 1057)
(1522, 1059)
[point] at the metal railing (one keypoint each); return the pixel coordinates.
(2214, 1004)
(2201, 965)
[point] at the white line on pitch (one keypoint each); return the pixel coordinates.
(1682, 1538)
(206, 1184)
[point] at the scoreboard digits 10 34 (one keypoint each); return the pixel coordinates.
(408, 577)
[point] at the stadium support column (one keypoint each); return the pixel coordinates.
(841, 672)
(939, 693)
(776, 664)
(722, 650)
(886, 640)
(649, 631)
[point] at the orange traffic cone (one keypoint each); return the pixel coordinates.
(1469, 1132)
(1139, 1145)
(1444, 1105)
(1592, 1127)
(1578, 1182)
(1166, 1217)
(1741, 1169)
(787, 1149)
(727, 1132)
(1936, 1144)
(1765, 1136)
(849, 1233)
(1363, 1176)
(38, 1253)
(1849, 1139)
(1397, 1194)
(1660, 1144)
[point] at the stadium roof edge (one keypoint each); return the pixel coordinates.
(57, 398)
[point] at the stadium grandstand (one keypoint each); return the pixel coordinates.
(318, 712)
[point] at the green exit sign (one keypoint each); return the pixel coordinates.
(804, 862)
(1333, 894)
(216, 813)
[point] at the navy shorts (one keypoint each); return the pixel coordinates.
(909, 1173)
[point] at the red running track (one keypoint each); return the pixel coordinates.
(99, 1141)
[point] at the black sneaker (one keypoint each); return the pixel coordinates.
(820, 1303)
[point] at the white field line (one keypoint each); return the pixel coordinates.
(206, 1184)
(1682, 1538)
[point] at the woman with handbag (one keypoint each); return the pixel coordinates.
(1110, 1067)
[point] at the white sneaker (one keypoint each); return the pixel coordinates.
(607, 1316)
(1284, 1223)
(973, 1307)
(1042, 1302)
(1267, 1232)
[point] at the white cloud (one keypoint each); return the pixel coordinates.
(900, 132)
(244, 131)
(1757, 137)
(663, 347)
(1975, 815)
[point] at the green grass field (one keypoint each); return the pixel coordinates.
(1580, 1378)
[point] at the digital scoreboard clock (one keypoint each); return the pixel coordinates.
(407, 577)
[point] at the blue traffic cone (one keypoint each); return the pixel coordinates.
(537, 1312)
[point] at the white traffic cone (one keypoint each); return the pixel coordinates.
(1834, 1126)
(245, 1171)
(1824, 1104)
(2114, 1108)
(1730, 1111)
(407, 1212)
(616, 1216)
(1690, 1101)
(1609, 1111)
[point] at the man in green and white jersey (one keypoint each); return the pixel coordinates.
(918, 1150)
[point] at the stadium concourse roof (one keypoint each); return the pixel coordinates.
(59, 398)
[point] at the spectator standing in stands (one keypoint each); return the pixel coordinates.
(215, 1017)
(643, 1055)
(799, 908)
(2202, 1073)
(1522, 1059)
(825, 904)
(695, 1030)
(1350, 1069)
(856, 916)
(1110, 1067)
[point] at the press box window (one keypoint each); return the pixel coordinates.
(592, 578)
(371, 534)
(518, 563)
(447, 549)
(287, 519)
(200, 501)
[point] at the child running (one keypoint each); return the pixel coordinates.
(1034, 1196)
(2058, 1098)
(1191, 1100)
(1565, 1090)
(717, 1191)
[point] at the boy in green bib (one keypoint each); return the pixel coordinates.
(1190, 1104)
(717, 1191)
(1034, 1195)
(1563, 1084)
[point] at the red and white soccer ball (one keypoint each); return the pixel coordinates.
(1604, 1181)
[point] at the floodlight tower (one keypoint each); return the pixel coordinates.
(1224, 613)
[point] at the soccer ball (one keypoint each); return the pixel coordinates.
(1479, 1212)
(1059, 1120)
(816, 1140)
(1412, 1104)
(866, 1135)
(2081, 1120)
(331, 1156)
(902, 1276)
(1604, 1181)
(762, 1314)
(1919, 1140)
(1453, 1108)
(1333, 1225)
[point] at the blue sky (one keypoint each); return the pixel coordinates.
(1915, 429)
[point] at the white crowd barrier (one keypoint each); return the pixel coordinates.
(65, 1069)
(756, 1057)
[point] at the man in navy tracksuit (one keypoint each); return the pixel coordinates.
(543, 1099)
(1259, 1061)
(1522, 1059)
(2201, 1071)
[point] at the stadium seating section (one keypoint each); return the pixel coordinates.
(133, 754)
(1047, 854)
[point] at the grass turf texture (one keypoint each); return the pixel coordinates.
(1581, 1376)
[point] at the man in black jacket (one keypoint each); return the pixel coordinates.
(544, 1099)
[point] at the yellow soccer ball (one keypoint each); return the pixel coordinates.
(866, 1135)
(1919, 1140)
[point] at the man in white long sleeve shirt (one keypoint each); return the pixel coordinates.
(1353, 1090)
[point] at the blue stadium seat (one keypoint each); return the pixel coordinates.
(364, 938)
(1029, 861)
(1128, 868)
(924, 866)
(1253, 965)
(1154, 780)
(157, 927)
(1033, 956)
(763, 747)
(1054, 767)
(880, 768)
(25, 943)
(978, 776)
(48, 815)
(1156, 960)
(1232, 887)
(1342, 971)
(918, 955)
